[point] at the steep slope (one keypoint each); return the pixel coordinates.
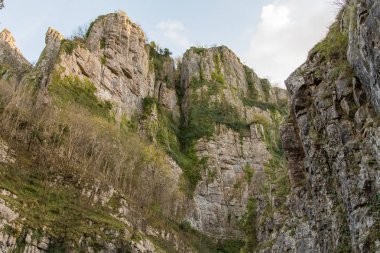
(331, 140)
(13, 64)
(108, 147)
(363, 52)
(231, 117)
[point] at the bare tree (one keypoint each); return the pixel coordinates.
(1, 4)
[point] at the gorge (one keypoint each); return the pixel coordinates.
(108, 144)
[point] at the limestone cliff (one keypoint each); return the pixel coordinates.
(230, 117)
(331, 140)
(13, 63)
(156, 158)
(114, 57)
(108, 146)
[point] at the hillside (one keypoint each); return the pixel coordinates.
(109, 145)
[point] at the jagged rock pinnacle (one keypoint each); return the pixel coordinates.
(7, 37)
(53, 34)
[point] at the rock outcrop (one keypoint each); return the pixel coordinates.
(203, 163)
(331, 140)
(221, 197)
(13, 62)
(363, 52)
(113, 56)
(232, 113)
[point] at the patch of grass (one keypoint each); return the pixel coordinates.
(249, 172)
(250, 225)
(252, 91)
(74, 90)
(204, 244)
(266, 106)
(265, 84)
(168, 136)
(9, 230)
(3, 70)
(102, 43)
(185, 226)
(68, 46)
(103, 60)
(205, 115)
(61, 210)
(198, 50)
(217, 75)
(333, 47)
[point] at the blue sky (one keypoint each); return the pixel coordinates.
(271, 36)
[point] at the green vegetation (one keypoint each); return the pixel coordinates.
(75, 142)
(217, 76)
(68, 46)
(265, 84)
(206, 115)
(3, 70)
(70, 90)
(198, 50)
(266, 106)
(158, 57)
(103, 60)
(102, 43)
(250, 226)
(204, 244)
(334, 49)
(249, 171)
(92, 24)
(252, 91)
(168, 136)
(63, 212)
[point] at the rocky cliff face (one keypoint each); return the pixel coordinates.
(363, 52)
(228, 107)
(14, 65)
(114, 56)
(206, 134)
(331, 141)
(106, 135)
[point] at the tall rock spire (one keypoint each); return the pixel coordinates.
(7, 37)
(11, 56)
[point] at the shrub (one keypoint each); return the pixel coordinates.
(250, 225)
(68, 46)
(168, 136)
(333, 47)
(102, 43)
(249, 172)
(185, 226)
(77, 134)
(198, 50)
(252, 91)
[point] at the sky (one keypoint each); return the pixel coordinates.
(271, 36)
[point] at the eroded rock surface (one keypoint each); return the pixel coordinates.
(364, 45)
(221, 198)
(12, 61)
(333, 160)
(115, 58)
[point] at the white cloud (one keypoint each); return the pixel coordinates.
(175, 32)
(288, 29)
